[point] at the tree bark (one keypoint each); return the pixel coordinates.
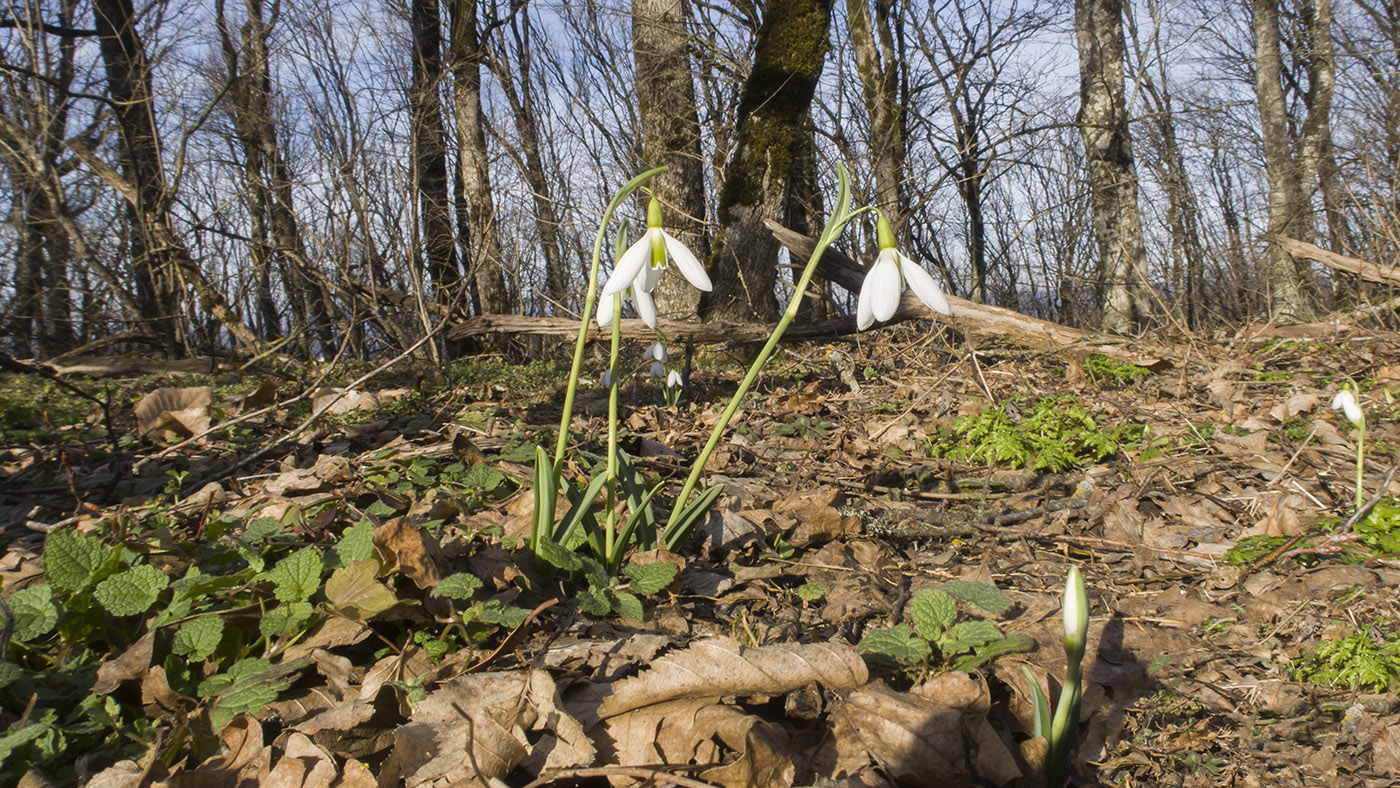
(788, 59)
(430, 152)
(670, 126)
(1294, 167)
(1103, 124)
(877, 66)
(531, 157)
(486, 258)
(161, 258)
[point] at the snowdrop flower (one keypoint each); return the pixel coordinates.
(1346, 403)
(658, 352)
(646, 309)
(879, 294)
(673, 380)
(641, 265)
(657, 370)
(606, 380)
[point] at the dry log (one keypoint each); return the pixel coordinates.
(976, 319)
(1365, 269)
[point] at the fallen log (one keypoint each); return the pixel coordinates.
(978, 319)
(969, 317)
(1364, 269)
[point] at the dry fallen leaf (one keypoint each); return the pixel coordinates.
(475, 728)
(715, 667)
(183, 412)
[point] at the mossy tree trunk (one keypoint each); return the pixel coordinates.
(670, 136)
(776, 97)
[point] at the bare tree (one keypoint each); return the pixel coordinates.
(1293, 161)
(670, 135)
(430, 151)
(788, 58)
(487, 259)
(1103, 124)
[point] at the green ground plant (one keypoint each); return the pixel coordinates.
(1107, 371)
(938, 640)
(1368, 660)
(1056, 434)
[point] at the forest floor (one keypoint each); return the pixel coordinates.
(865, 605)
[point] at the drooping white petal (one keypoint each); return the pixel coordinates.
(690, 267)
(923, 286)
(880, 290)
(657, 351)
(673, 380)
(657, 371)
(628, 267)
(646, 308)
(1346, 403)
(605, 312)
(606, 380)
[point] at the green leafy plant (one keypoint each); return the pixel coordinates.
(803, 427)
(938, 641)
(1055, 435)
(1360, 660)
(1104, 370)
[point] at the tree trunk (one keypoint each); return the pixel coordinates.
(486, 260)
(788, 59)
(1103, 124)
(877, 65)
(1290, 177)
(161, 259)
(430, 152)
(531, 157)
(670, 126)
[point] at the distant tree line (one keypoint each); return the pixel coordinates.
(304, 174)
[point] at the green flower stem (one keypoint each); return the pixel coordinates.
(591, 296)
(1360, 461)
(839, 218)
(609, 522)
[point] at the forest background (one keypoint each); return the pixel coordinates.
(198, 176)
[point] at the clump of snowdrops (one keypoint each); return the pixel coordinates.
(610, 534)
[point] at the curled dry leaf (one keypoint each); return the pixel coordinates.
(181, 411)
(715, 667)
(403, 545)
(476, 728)
(917, 741)
(302, 765)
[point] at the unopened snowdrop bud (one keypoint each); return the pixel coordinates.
(1076, 616)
